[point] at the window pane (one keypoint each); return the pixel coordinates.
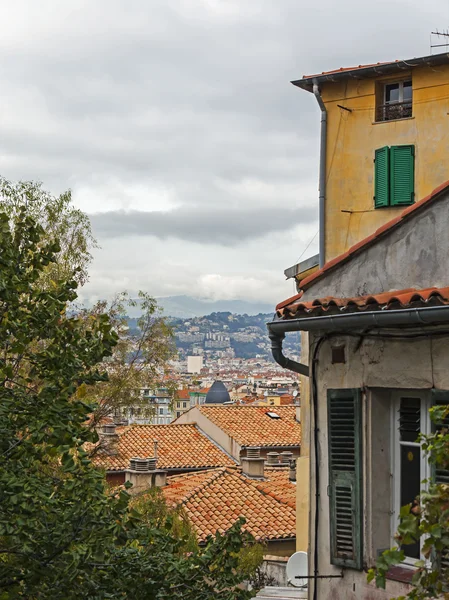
(410, 485)
(409, 419)
(392, 92)
(407, 90)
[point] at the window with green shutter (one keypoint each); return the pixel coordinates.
(402, 176)
(345, 477)
(394, 176)
(382, 177)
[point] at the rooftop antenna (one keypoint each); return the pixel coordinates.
(438, 36)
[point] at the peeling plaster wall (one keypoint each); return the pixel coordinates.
(412, 255)
(376, 366)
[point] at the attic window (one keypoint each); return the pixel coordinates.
(273, 415)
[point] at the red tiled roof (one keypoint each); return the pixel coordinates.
(408, 298)
(251, 426)
(180, 446)
(371, 239)
(215, 499)
(182, 395)
(344, 69)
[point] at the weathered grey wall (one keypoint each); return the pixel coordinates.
(412, 255)
(376, 367)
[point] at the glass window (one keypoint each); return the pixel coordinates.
(392, 92)
(410, 466)
(394, 101)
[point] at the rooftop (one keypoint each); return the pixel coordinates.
(215, 499)
(395, 300)
(371, 70)
(179, 447)
(252, 425)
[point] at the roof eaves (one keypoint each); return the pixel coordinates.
(371, 70)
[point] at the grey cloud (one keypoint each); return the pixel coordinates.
(226, 227)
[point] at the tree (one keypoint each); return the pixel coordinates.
(63, 533)
(427, 520)
(60, 220)
(140, 358)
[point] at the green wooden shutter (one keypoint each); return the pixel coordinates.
(402, 175)
(382, 177)
(345, 477)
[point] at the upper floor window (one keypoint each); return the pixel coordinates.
(394, 100)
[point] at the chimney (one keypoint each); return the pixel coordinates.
(272, 459)
(143, 474)
(253, 463)
(292, 473)
(286, 457)
(109, 439)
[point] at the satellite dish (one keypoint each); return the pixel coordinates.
(297, 569)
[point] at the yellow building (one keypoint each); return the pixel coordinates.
(384, 146)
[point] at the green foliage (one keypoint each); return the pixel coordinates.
(139, 360)
(427, 521)
(60, 220)
(63, 534)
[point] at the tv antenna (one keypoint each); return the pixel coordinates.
(438, 36)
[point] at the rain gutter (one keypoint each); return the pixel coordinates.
(428, 315)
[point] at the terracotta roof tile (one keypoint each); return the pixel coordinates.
(179, 447)
(408, 298)
(182, 395)
(396, 222)
(252, 426)
(215, 499)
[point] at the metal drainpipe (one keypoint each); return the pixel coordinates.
(322, 186)
(280, 358)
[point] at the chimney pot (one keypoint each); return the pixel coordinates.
(272, 458)
(253, 452)
(286, 457)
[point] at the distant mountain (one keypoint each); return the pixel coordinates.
(187, 307)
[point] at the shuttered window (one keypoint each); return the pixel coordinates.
(402, 177)
(345, 477)
(382, 177)
(394, 176)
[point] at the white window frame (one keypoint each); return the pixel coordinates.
(401, 92)
(426, 472)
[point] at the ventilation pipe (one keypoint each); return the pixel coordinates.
(272, 459)
(322, 184)
(253, 463)
(286, 457)
(276, 350)
(143, 474)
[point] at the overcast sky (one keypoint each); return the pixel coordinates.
(176, 127)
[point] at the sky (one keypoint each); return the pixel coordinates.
(176, 127)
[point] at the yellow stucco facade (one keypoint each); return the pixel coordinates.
(354, 136)
(350, 216)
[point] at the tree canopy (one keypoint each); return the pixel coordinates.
(63, 533)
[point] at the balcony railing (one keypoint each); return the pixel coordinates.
(396, 110)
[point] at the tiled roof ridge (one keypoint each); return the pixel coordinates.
(362, 244)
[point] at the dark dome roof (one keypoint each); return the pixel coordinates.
(218, 394)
